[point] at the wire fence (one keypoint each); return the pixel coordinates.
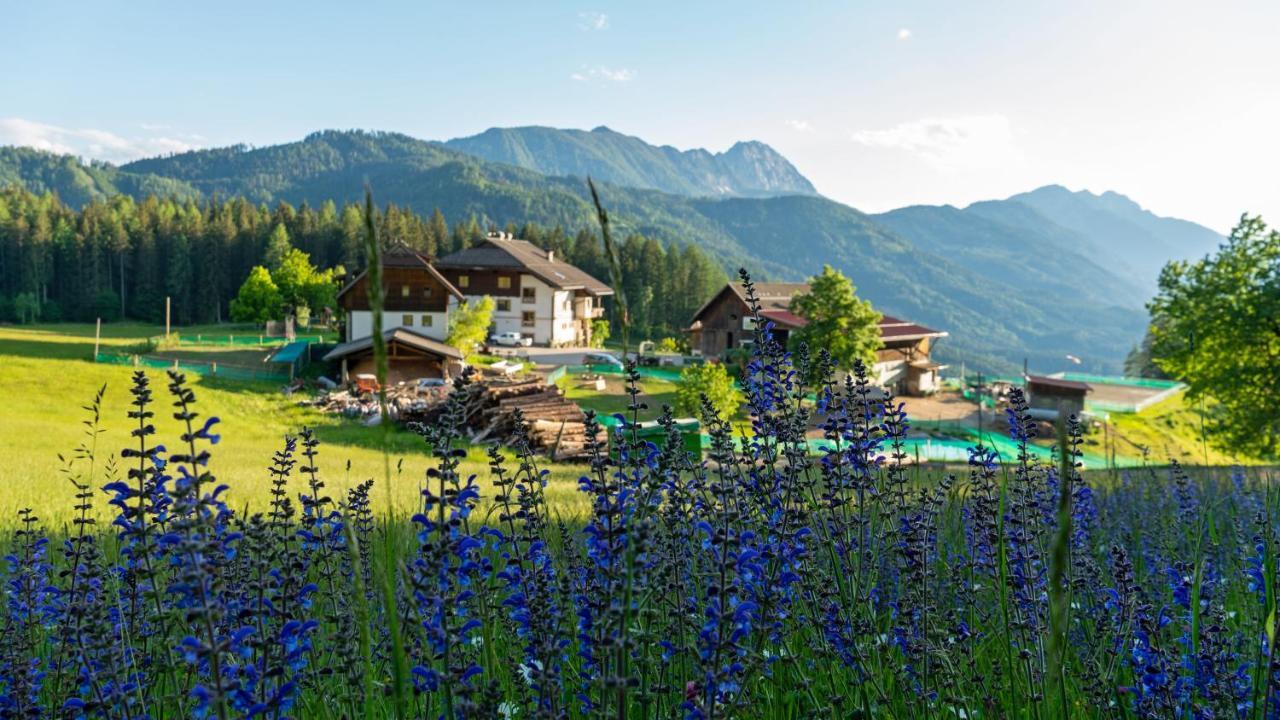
(197, 367)
(234, 339)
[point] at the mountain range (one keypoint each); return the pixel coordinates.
(748, 169)
(1034, 277)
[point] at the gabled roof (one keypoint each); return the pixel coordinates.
(772, 296)
(891, 328)
(400, 335)
(1058, 383)
(500, 251)
(775, 305)
(401, 255)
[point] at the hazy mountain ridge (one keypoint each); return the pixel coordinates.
(1004, 279)
(1121, 230)
(747, 169)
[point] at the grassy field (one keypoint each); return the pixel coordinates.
(613, 399)
(1169, 430)
(47, 379)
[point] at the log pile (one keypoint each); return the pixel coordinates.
(556, 425)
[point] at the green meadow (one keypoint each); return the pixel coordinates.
(46, 379)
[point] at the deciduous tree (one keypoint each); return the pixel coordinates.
(711, 380)
(1215, 324)
(469, 323)
(258, 299)
(837, 319)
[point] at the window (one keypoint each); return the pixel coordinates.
(527, 318)
(464, 281)
(404, 291)
(504, 305)
(426, 293)
(406, 320)
(504, 282)
(426, 321)
(529, 295)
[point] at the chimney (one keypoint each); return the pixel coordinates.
(551, 256)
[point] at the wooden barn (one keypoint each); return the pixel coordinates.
(725, 323)
(410, 356)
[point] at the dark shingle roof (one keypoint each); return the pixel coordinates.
(401, 255)
(501, 251)
(403, 336)
(775, 304)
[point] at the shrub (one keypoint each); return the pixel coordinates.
(599, 332)
(710, 381)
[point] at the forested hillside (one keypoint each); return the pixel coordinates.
(78, 183)
(1007, 282)
(120, 257)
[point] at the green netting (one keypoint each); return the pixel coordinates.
(211, 369)
(290, 353)
(1119, 380)
(668, 374)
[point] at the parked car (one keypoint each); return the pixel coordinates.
(601, 359)
(511, 338)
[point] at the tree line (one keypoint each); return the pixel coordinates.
(120, 257)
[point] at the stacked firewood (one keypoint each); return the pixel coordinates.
(556, 425)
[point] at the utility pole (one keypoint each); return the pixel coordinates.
(167, 305)
(97, 338)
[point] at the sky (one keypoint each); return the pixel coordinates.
(879, 104)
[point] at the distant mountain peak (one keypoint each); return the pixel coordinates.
(747, 169)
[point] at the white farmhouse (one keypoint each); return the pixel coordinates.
(535, 293)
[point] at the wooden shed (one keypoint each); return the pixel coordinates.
(410, 356)
(1049, 397)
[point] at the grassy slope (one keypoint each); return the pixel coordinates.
(46, 381)
(1169, 429)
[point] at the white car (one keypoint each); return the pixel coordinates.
(511, 338)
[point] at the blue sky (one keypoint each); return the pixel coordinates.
(879, 104)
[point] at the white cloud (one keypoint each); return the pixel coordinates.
(966, 142)
(605, 74)
(800, 125)
(904, 33)
(593, 21)
(90, 143)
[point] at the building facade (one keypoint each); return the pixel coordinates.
(725, 322)
(535, 293)
(417, 297)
